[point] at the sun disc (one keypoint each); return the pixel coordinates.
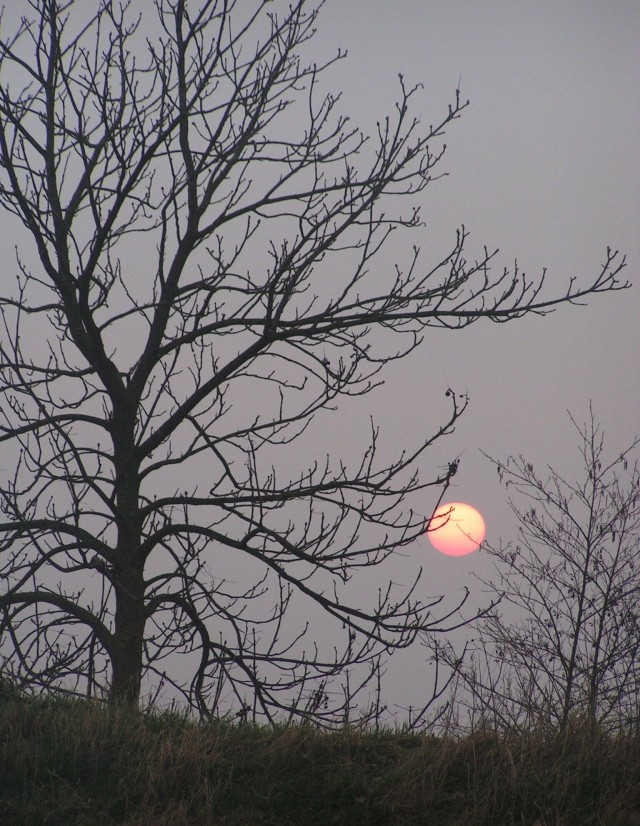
(456, 529)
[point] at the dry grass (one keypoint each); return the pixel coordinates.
(75, 763)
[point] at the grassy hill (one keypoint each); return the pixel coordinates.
(73, 763)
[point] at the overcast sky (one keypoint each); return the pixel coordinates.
(545, 165)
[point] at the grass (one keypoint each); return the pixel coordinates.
(76, 763)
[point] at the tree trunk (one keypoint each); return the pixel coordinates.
(128, 639)
(128, 579)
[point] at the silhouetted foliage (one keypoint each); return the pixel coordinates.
(565, 646)
(75, 762)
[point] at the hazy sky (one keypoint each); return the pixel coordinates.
(545, 165)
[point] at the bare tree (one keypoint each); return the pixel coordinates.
(566, 645)
(197, 288)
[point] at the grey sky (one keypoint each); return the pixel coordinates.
(544, 165)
